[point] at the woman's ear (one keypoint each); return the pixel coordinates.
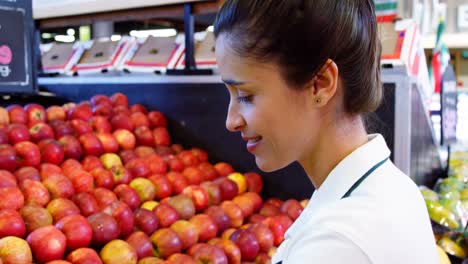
(325, 83)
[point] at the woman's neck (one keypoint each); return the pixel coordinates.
(334, 143)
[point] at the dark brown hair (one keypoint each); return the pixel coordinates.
(300, 35)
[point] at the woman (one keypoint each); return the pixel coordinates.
(301, 74)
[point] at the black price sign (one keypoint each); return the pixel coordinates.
(15, 46)
(448, 102)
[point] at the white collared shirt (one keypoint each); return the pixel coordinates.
(384, 221)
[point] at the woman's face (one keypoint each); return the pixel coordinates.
(279, 124)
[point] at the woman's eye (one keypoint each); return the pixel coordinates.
(244, 99)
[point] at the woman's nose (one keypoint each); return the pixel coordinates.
(234, 121)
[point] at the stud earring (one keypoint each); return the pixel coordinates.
(318, 100)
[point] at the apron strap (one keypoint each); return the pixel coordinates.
(363, 177)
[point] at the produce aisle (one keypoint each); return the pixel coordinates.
(111, 151)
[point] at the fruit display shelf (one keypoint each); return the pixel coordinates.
(102, 181)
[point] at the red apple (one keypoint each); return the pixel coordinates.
(127, 155)
(219, 216)
(15, 250)
(234, 213)
(121, 110)
(206, 227)
(103, 109)
(201, 155)
(164, 151)
(35, 193)
(8, 159)
(198, 195)
(269, 210)
(119, 99)
(274, 201)
(193, 175)
(61, 207)
(153, 260)
(146, 221)
(4, 117)
(223, 169)
(55, 113)
(121, 121)
(105, 228)
(47, 243)
(139, 119)
(144, 136)
(51, 151)
(100, 124)
(125, 139)
(11, 223)
(27, 173)
(28, 154)
(187, 232)
(141, 243)
(138, 168)
(61, 129)
(144, 152)
(230, 248)
(178, 181)
(162, 187)
(104, 197)
(138, 108)
(177, 148)
(70, 165)
(68, 107)
(254, 182)
(292, 208)
(263, 258)
(3, 135)
(188, 158)
(100, 98)
(156, 164)
(256, 218)
(17, 114)
(276, 228)
(12, 198)
(81, 111)
(86, 203)
(121, 175)
(161, 136)
(209, 172)
(109, 142)
(46, 169)
(255, 198)
(71, 147)
(183, 205)
(35, 113)
(245, 204)
(166, 215)
(7, 179)
(179, 258)
(18, 133)
(123, 215)
(127, 195)
(41, 131)
(205, 253)
(84, 256)
(157, 119)
(82, 181)
(228, 188)
(91, 144)
(90, 163)
(59, 186)
(166, 242)
(247, 243)
(103, 178)
(80, 127)
(264, 236)
(118, 252)
(214, 193)
(77, 230)
(175, 164)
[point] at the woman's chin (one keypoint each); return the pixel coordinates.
(268, 166)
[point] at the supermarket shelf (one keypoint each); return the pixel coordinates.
(43, 9)
(128, 79)
(452, 40)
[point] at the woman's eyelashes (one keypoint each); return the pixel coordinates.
(245, 99)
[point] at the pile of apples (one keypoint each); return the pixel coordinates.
(100, 182)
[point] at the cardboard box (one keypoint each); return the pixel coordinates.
(204, 52)
(152, 54)
(61, 57)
